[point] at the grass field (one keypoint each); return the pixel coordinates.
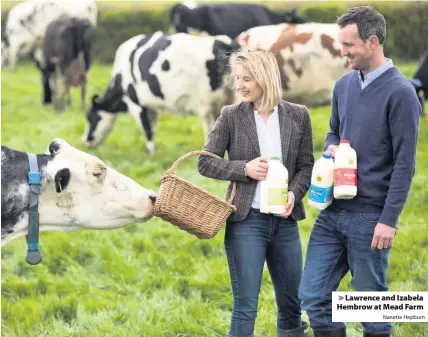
(152, 279)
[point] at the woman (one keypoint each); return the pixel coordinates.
(262, 125)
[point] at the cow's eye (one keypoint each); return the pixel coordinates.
(99, 172)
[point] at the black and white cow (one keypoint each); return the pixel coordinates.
(78, 191)
(226, 19)
(66, 58)
(27, 21)
(179, 73)
(420, 80)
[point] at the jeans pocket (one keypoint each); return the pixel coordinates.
(369, 218)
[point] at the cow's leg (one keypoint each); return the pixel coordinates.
(146, 125)
(12, 55)
(209, 113)
(45, 73)
(207, 121)
(422, 101)
(83, 80)
(67, 94)
(59, 104)
(153, 116)
(83, 92)
(47, 92)
(141, 115)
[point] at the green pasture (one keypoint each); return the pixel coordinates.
(152, 279)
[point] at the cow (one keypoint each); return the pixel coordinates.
(420, 80)
(66, 54)
(77, 192)
(226, 19)
(27, 21)
(179, 73)
(308, 55)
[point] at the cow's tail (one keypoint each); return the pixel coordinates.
(175, 16)
(173, 12)
(84, 37)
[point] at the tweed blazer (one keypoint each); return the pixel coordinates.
(235, 132)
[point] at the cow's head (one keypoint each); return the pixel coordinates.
(222, 49)
(183, 17)
(103, 112)
(4, 50)
(294, 17)
(100, 117)
(80, 191)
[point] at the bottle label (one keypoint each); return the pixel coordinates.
(277, 196)
(320, 194)
(345, 176)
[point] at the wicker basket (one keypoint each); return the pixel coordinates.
(190, 207)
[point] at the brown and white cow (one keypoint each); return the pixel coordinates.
(308, 56)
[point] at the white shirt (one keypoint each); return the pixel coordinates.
(269, 138)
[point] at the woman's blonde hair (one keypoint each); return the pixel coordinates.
(263, 67)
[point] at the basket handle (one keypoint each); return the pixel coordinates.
(197, 153)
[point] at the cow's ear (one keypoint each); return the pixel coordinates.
(62, 178)
(96, 99)
(54, 148)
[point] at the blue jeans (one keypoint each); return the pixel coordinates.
(340, 241)
(249, 243)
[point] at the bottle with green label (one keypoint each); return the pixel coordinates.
(274, 189)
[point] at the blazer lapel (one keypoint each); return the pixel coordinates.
(249, 123)
(284, 129)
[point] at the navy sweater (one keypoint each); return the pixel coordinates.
(381, 122)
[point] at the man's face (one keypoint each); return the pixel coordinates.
(356, 50)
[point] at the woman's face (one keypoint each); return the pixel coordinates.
(247, 86)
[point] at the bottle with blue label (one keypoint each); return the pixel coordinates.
(321, 189)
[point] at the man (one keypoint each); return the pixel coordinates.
(376, 108)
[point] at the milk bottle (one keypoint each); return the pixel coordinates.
(345, 171)
(274, 189)
(321, 189)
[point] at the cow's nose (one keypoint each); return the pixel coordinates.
(153, 199)
(89, 145)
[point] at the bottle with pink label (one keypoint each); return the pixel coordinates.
(345, 171)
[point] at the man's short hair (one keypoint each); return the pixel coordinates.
(368, 20)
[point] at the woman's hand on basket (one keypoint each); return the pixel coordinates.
(257, 168)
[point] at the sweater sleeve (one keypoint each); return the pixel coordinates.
(333, 137)
(217, 143)
(403, 124)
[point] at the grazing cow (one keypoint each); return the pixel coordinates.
(179, 72)
(77, 192)
(27, 21)
(308, 55)
(66, 53)
(420, 81)
(226, 19)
